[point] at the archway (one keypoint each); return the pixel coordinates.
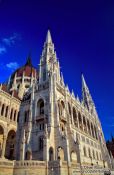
(1, 139)
(10, 145)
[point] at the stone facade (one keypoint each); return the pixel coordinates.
(57, 133)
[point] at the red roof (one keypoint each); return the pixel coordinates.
(27, 70)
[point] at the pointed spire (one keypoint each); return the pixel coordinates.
(48, 37)
(87, 100)
(84, 85)
(28, 62)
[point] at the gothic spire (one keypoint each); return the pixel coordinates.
(48, 37)
(86, 97)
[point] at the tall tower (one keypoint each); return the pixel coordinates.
(48, 61)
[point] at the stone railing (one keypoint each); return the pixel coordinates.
(29, 163)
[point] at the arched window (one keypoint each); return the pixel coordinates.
(2, 111)
(44, 75)
(51, 158)
(92, 130)
(41, 143)
(6, 113)
(10, 145)
(84, 150)
(75, 117)
(80, 121)
(63, 108)
(97, 156)
(84, 123)
(15, 113)
(89, 152)
(11, 114)
(88, 125)
(95, 132)
(18, 117)
(93, 154)
(40, 106)
(69, 109)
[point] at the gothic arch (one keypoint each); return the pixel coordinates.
(75, 117)
(40, 107)
(6, 112)
(80, 120)
(85, 124)
(11, 114)
(10, 145)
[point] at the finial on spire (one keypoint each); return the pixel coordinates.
(84, 85)
(48, 37)
(28, 62)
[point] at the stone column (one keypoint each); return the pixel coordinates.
(3, 146)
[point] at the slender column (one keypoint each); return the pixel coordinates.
(3, 147)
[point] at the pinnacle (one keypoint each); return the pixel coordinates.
(48, 37)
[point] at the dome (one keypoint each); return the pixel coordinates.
(28, 70)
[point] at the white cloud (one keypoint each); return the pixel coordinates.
(2, 50)
(12, 65)
(9, 41)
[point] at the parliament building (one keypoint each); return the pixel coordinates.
(44, 128)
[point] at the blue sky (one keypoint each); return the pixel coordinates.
(83, 34)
